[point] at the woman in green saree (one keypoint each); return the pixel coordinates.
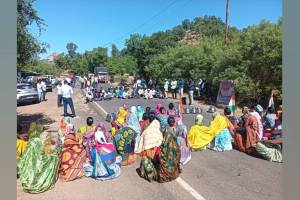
(37, 170)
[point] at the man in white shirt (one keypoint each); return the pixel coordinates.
(44, 88)
(67, 93)
(166, 88)
(39, 89)
(174, 87)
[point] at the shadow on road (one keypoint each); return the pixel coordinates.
(26, 119)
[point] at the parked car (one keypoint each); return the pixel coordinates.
(27, 93)
(52, 79)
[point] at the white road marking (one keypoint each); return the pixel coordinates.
(189, 189)
(179, 180)
(102, 109)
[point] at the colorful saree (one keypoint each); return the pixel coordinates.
(163, 120)
(186, 152)
(72, 158)
(164, 165)
(125, 143)
(38, 171)
(105, 164)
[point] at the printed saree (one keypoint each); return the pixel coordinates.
(105, 164)
(169, 163)
(72, 158)
(163, 120)
(164, 166)
(38, 171)
(125, 143)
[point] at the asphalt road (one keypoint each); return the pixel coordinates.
(214, 175)
(209, 175)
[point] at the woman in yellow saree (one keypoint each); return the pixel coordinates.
(200, 136)
(120, 121)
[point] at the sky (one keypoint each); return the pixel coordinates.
(93, 23)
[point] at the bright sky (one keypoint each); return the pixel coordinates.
(93, 23)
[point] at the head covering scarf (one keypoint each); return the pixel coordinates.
(199, 119)
(133, 122)
(140, 112)
(157, 109)
(151, 137)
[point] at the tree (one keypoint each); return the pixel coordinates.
(186, 24)
(71, 47)
(28, 47)
(114, 50)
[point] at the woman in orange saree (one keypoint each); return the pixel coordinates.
(72, 157)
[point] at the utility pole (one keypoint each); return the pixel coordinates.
(227, 27)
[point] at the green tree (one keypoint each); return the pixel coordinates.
(114, 50)
(28, 47)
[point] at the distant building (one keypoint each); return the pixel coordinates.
(50, 59)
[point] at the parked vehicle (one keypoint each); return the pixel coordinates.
(27, 93)
(48, 84)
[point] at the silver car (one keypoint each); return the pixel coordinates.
(27, 93)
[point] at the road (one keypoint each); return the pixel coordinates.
(209, 175)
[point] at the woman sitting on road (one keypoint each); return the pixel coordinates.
(247, 135)
(85, 128)
(72, 157)
(199, 135)
(33, 167)
(271, 149)
(223, 139)
(125, 138)
(121, 119)
(144, 122)
(186, 153)
(162, 117)
(104, 163)
(132, 120)
(163, 165)
(139, 112)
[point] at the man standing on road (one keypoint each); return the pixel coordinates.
(191, 91)
(59, 95)
(67, 93)
(174, 88)
(40, 90)
(44, 89)
(166, 88)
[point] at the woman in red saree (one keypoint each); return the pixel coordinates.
(72, 157)
(247, 135)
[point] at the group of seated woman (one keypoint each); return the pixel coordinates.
(159, 137)
(70, 155)
(253, 133)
